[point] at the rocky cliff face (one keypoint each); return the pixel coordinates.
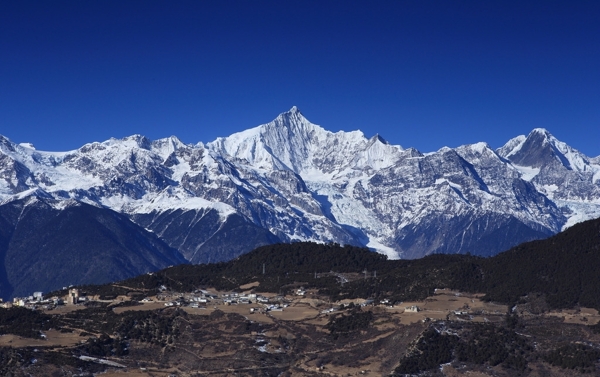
(291, 180)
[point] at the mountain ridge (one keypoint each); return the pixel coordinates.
(292, 180)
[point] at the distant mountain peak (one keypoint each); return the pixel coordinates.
(380, 139)
(541, 149)
(141, 140)
(292, 118)
(540, 131)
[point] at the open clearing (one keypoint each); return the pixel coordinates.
(54, 338)
(446, 303)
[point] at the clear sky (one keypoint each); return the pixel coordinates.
(423, 74)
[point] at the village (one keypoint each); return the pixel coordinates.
(302, 304)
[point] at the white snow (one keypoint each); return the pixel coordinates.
(480, 147)
(383, 249)
(513, 146)
(27, 145)
(440, 181)
(102, 361)
(580, 211)
(550, 190)
(527, 173)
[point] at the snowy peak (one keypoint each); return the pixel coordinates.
(291, 116)
(286, 143)
(378, 138)
(541, 132)
(541, 149)
(167, 147)
(138, 141)
(480, 147)
(291, 138)
(512, 146)
(377, 154)
(478, 153)
(292, 142)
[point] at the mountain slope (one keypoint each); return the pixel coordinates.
(45, 247)
(203, 237)
(563, 268)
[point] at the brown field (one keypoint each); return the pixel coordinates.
(444, 303)
(54, 338)
(297, 312)
(63, 309)
(145, 306)
(249, 285)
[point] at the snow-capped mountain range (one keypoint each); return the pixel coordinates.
(291, 180)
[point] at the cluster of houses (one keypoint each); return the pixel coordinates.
(201, 298)
(32, 302)
(37, 300)
(197, 299)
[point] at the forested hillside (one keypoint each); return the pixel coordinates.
(562, 269)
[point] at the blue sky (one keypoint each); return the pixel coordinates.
(422, 74)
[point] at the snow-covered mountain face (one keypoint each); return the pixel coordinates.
(292, 180)
(564, 175)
